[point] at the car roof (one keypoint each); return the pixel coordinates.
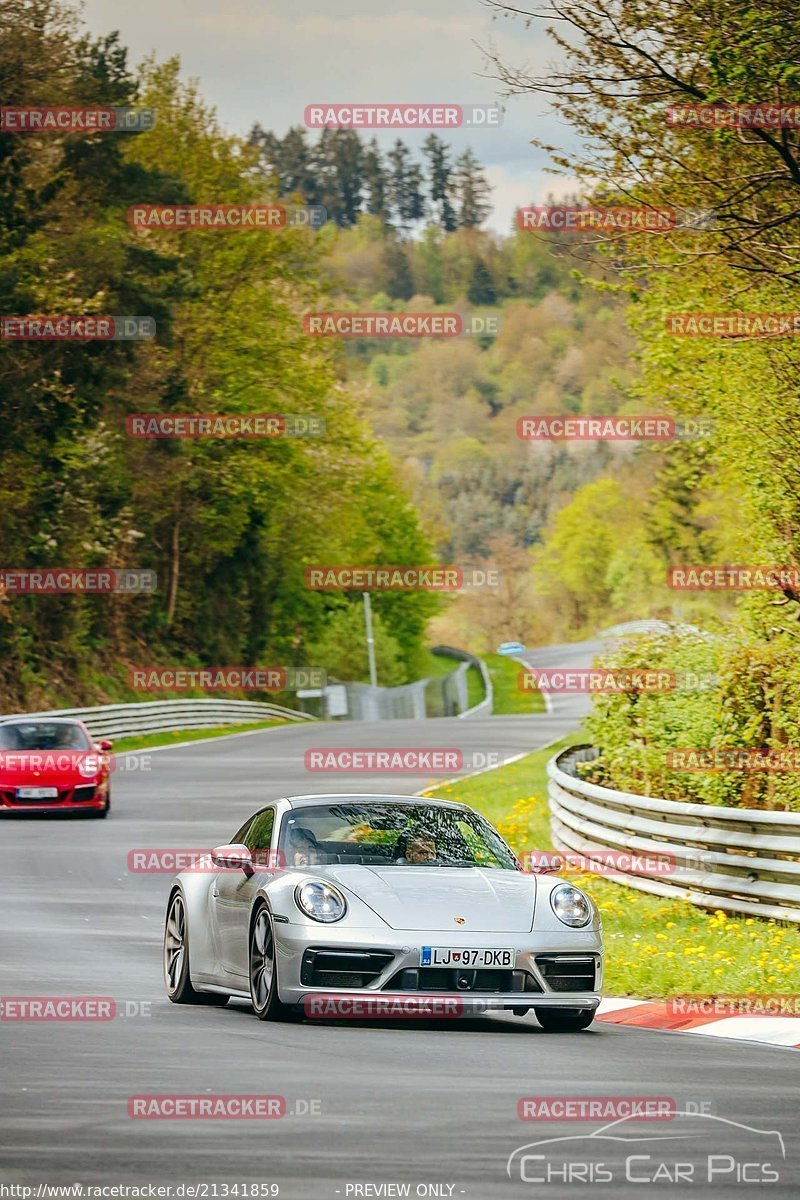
(379, 798)
(24, 719)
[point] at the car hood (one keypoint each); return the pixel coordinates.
(431, 898)
(66, 768)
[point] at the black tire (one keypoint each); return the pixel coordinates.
(263, 968)
(564, 1020)
(176, 959)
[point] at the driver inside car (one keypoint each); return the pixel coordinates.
(303, 848)
(415, 846)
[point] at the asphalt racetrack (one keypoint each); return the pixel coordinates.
(431, 1105)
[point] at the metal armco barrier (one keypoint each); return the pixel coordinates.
(460, 681)
(162, 716)
(736, 859)
(436, 696)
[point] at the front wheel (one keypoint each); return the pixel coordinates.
(564, 1020)
(263, 970)
(176, 959)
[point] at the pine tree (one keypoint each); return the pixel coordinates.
(437, 153)
(473, 191)
(481, 288)
(405, 186)
(375, 182)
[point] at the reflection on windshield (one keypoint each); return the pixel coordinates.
(403, 835)
(43, 735)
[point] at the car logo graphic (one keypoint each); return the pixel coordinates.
(615, 1132)
(459, 920)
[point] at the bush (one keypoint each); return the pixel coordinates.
(738, 690)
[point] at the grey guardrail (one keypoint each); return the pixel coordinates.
(735, 859)
(162, 716)
(471, 660)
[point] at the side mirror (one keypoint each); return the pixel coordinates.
(237, 858)
(545, 864)
(105, 745)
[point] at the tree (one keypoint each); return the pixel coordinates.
(472, 191)
(228, 525)
(288, 160)
(439, 182)
(624, 65)
(404, 186)
(399, 282)
(376, 182)
(337, 166)
(342, 648)
(481, 285)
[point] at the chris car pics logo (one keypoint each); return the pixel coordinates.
(695, 1149)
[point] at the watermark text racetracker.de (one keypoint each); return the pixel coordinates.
(390, 1006)
(171, 860)
(641, 428)
(774, 1004)
(66, 119)
(393, 578)
(390, 115)
(225, 425)
(596, 1108)
(622, 219)
(728, 577)
(413, 760)
(600, 680)
(71, 1008)
(61, 580)
(226, 679)
(401, 324)
(733, 758)
(600, 861)
(236, 1107)
(88, 763)
(75, 328)
(230, 218)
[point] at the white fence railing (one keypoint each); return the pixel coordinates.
(162, 716)
(736, 859)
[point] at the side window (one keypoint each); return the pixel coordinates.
(238, 838)
(259, 835)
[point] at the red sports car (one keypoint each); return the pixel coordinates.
(51, 764)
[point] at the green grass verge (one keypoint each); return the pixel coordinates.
(174, 736)
(654, 947)
(434, 665)
(504, 673)
(476, 692)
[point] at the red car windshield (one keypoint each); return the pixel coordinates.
(43, 735)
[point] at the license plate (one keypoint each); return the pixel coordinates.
(438, 956)
(34, 793)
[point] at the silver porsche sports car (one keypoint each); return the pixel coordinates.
(369, 897)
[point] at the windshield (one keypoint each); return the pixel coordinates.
(376, 834)
(43, 735)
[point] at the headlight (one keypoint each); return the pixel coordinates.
(571, 906)
(320, 901)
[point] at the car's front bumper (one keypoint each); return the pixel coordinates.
(294, 941)
(73, 798)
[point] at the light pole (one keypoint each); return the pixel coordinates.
(373, 674)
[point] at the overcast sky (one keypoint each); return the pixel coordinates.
(258, 60)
